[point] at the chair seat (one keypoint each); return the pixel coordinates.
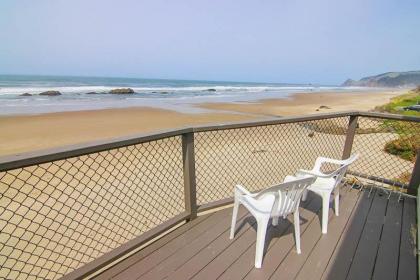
(263, 204)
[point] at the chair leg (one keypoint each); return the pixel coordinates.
(325, 210)
(234, 216)
(275, 221)
(297, 230)
(262, 223)
(305, 195)
(336, 201)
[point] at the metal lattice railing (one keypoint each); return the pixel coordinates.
(57, 216)
(386, 150)
(257, 157)
(59, 211)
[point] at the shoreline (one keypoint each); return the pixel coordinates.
(25, 133)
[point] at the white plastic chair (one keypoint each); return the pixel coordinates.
(325, 184)
(276, 201)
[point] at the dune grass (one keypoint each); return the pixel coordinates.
(408, 142)
(404, 147)
(397, 103)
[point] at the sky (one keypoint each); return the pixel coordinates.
(293, 41)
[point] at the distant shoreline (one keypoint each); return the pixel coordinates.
(21, 95)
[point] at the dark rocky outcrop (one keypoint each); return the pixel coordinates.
(349, 83)
(25, 94)
(92, 92)
(389, 79)
(51, 93)
(122, 91)
(210, 89)
(324, 107)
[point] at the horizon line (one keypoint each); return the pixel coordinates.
(167, 79)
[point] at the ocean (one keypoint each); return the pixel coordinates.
(178, 95)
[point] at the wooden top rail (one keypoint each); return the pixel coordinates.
(48, 155)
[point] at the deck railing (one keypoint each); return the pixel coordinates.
(72, 211)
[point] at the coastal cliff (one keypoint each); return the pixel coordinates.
(389, 79)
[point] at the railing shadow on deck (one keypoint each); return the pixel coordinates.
(74, 210)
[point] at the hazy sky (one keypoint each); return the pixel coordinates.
(322, 41)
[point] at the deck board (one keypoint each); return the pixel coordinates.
(386, 266)
(340, 261)
(170, 264)
(158, 256)
(407, 260)
(121, 266)
(208, 254)
(318, 259)
(362, 237)
(367, 249)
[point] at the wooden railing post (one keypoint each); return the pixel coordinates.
(188, 160)
(351, 131)
(414, 184)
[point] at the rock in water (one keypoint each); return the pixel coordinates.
(92, 92)
(210, 89)
(51, 93)
(122, 91)
(26, 94)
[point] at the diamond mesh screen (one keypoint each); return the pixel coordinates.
(57, 216)
(386, 148)
(257, 157)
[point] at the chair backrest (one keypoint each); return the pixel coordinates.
(341, 171)
(287, 195)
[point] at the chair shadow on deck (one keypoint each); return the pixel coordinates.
(284, 227)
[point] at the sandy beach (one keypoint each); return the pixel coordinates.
(34, 132)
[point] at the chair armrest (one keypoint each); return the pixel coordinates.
(331, 160)
(242, 190)
(313, 173)
(321, 160)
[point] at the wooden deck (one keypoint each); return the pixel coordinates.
(373, 238)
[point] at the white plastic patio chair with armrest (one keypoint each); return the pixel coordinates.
(326, 184)
(276, 201)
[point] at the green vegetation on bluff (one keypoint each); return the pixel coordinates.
(407, 145)
(397, 104)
